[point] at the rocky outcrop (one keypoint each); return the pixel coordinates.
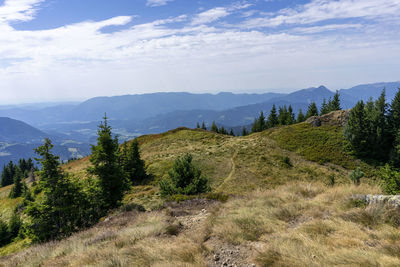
(379, 199)
(339, 118)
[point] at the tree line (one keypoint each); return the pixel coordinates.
(286, 116)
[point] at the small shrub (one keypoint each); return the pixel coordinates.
(173, 229)
(356, 175)
(331, 180)
(391, 180)
(217, 196)
(132, 206)
(184, 179)
(286, 161)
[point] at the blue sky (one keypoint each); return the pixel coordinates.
(76, 49)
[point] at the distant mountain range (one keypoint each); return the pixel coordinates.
(18, 140)
(72, 126)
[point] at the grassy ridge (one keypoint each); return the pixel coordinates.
(280, 202)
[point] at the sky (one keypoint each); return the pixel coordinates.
(77, 49)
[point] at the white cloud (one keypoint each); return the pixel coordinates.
(210, 15)
(18, 10)
(80, 60)
(321, 10)
(153, 3)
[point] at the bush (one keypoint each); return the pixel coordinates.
(184, 179)
(391, 180)
(4, 233)
(356, 175)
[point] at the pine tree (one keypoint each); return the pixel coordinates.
(184, 178)
(106, 166)
(272, 120)
(198, 125)
(283, 115)
(132, 164)
(356, 131)
(222, 130)
(381, 132)
(214, 127)
(255, 127)
(336, 102)
(244, 131)
(290, 118)
(312, 110)
(300, 117)
(325, 107)
(7, 177)
(203, 126)
(58, 210)
(231, 133)
(261, 121)
(394, 123)
(18, 187)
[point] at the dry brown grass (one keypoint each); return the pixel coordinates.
(287, 213)
(127, 239)
(306, 224)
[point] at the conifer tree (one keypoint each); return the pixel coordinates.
(185, 178)
(312, 110)
(356, 130)
(7, 177)
(335, 105)
(58, 211)
(18, 187)
(198, 125)
(283, 115)
(214, 127)
(132, 164)
(231, 133)
(290, 117)
(106, 166)
(300, 117)
(272, 118)
(203, 126)
(325, 107)
(394, 123)
(255, 127)
(381, 131)
(244, 131)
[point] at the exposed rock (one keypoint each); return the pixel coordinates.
(379, 199)
(339, 117)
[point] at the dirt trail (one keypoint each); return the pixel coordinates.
(191, 216)
(232, 172)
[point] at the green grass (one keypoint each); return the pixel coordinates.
(319, 144)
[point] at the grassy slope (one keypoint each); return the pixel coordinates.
(275, 208)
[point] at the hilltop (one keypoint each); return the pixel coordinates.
(272, 204)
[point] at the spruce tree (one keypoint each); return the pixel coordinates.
(231, 133)
(291, 119)
(244, 131)
(356, 131)
(300, 117)
(203, 126)
(184, 178)
(198, 125)
(261, 121)
(57, 212)
(312, 110)
(394, 123)
(272, 120)
(214, 127)
(255, 127)
(325, 108)
(132, 164)
(18, 186)
(381, 145)
(7, 177)
(106, 166)
(335, 105)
